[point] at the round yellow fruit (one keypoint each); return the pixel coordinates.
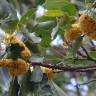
(18, 67)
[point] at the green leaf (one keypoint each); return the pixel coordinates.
(39, 2)
(55, 4)
(45, 35)
(54, 13)
(70, 9)
(14, 87)
(45, 25)
(63, 5)
(51, 58)
(25, 18)
(92, 54)
(81, 62)
(46, 39)
(45, 18)
(77, 44)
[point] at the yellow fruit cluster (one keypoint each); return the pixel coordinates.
(88, 25)
(19, 66)
(11, 39)
(49, 72)
(72, 33)
(85, 26)
(15, 67)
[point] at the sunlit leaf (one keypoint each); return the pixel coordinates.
(54, 13)
(63, 5)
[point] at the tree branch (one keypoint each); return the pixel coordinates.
(66, 68)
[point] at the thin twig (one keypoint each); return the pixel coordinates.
(80, 54)
(89, 82)
(85, 51)
(88, 56)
